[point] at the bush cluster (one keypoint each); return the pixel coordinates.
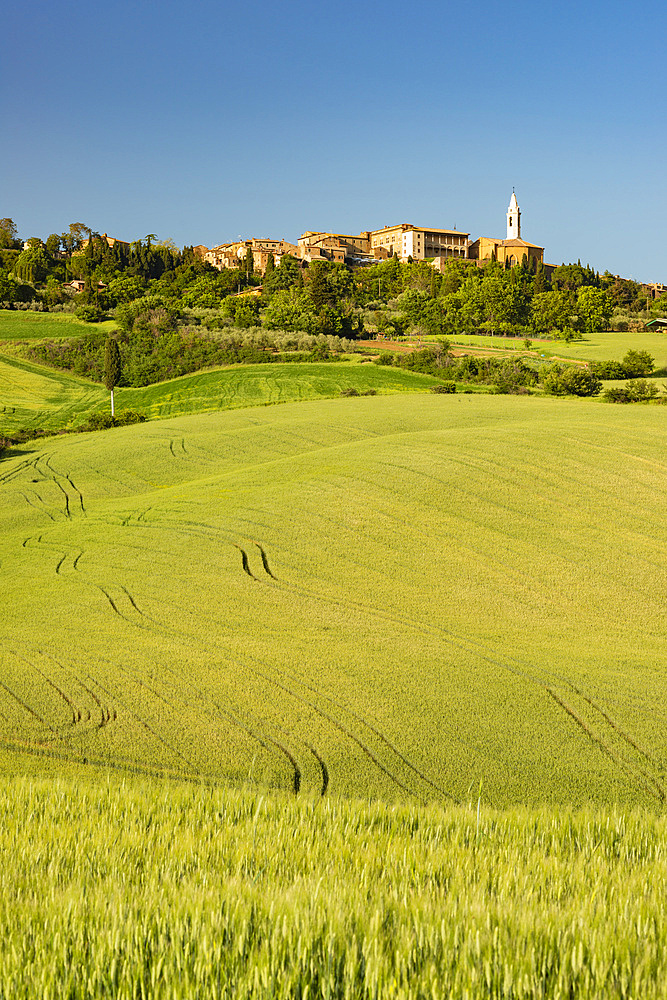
(507, 375)
(153, 348)
(635, 364)
(636, 390)
(569, 381)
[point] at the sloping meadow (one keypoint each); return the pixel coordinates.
(421, 598)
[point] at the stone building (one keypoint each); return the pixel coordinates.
(336, 247)
(406, 240)
(511, 250)
(233, 255)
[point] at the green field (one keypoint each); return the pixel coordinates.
(399, 596)
(25, 324)
(596, 346)
(32, 395)
(132, 890)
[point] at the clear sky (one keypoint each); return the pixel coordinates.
(206, 120)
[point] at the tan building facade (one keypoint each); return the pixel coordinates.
(508, 252)
(406, 240)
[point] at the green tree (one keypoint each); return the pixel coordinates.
(249, 262)
(551, 311)
(53, 245)
(286, 275)
(595, 308)
(571, 381)
(289, 309)
(32, 264)
(638, 363)
(112, 367)
(8, 235)
(320, 292)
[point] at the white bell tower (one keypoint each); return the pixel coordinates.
(513, 219)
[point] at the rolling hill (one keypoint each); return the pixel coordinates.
(398, 596)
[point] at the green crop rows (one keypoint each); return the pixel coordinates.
(397, 596)
(28, 325)
(32, 395)
(132, 890)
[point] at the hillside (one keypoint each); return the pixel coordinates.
(32, 395)
(398, 596)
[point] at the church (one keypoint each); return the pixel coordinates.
(512, 250)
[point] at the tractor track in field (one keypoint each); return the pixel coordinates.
(7, 477)
(244, 562)
(41, 510)
(106, 763)
(523, 669)
(330, 719)
(323, 768)
(183, 449)
(337, 724)
(31, 711)
(74, 709)
(632, 768)
(57, 476)
(265, 561)
(264, 741)
(648, 783)
(173, 750)
(520, 668)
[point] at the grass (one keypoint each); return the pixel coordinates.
(129, 890)
(22, 324)
(395, 596)
(32, 395)
(596, 346)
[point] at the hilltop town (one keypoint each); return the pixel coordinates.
(405, 241)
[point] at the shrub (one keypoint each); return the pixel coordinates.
(638, 363)
(444, 387)
(102, 421)
(349, 392)
(636, 390)
(571, 382)
(89, 314)
(607, 369)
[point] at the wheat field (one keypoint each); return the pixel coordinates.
(396, 597)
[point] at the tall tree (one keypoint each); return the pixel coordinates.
(32, 264)
(8, 234)
(111, 367)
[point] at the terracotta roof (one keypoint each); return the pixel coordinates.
(518, 243)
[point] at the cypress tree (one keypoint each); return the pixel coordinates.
(111, 367)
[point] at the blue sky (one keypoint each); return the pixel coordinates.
(209, 120)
